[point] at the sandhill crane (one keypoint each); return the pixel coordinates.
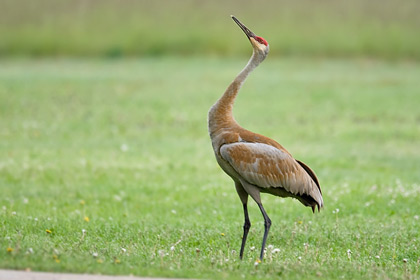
(257, 163)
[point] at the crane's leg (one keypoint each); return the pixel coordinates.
(243, 195)
(254, 192)
(247, 226)
(267, 225)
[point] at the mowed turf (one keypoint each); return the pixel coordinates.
(106, 167)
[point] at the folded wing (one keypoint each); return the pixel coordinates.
(269, 167)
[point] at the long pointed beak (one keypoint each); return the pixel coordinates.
(247, 32)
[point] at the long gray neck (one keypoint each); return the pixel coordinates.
(253, 62)
(220, 114)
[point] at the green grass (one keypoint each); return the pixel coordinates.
(381, 28)
(114, 159)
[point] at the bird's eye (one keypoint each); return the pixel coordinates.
(261, 40)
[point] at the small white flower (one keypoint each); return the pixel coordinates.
(173, 211)
(270, 247)
(172, 248)
(378, 257)
(124, 250)
(405, 260)
(35, 219)
(276, 250)
(348, 253)
(124, 147)
(416, 217)
(14, 213)
(252, 248)
(83, 231)
(30, 250)
(95, 254)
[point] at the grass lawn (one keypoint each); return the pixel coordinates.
(107, 28)
(106, 167)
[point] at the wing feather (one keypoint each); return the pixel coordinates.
(269, 167)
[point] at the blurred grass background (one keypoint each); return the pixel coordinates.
(112, 156)
(104, 28)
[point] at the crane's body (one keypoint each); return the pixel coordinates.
(255, 162)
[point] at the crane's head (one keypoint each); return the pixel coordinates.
(259, 44)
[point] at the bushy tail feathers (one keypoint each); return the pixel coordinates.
(314, 200)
